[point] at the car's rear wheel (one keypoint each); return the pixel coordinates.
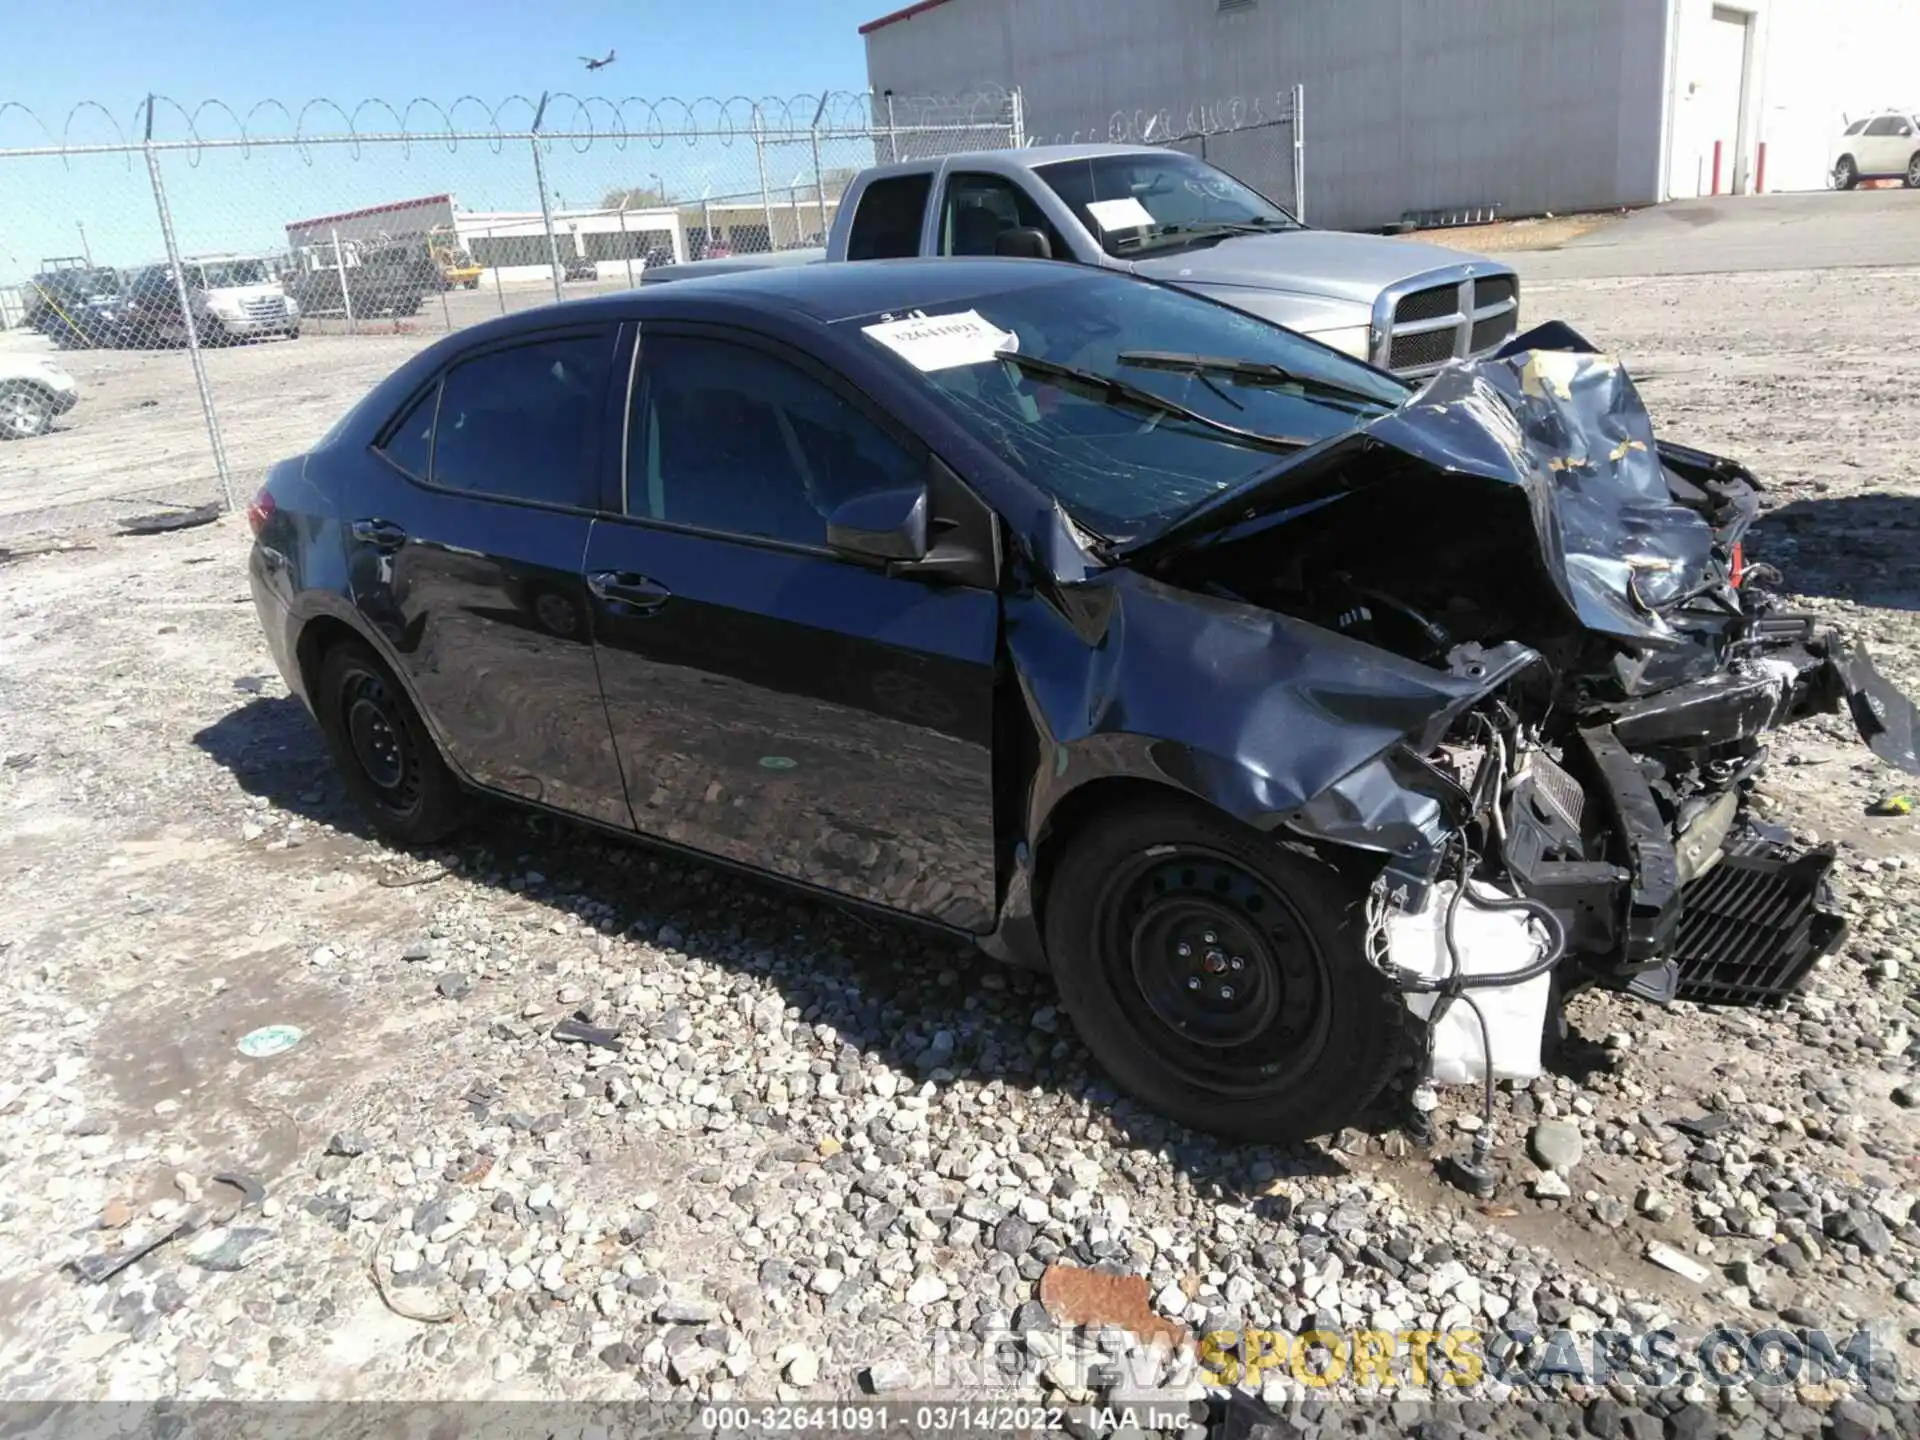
(386, 756)
(25, 411)
(1913, 171)
(1220, 975)
(1846, 174)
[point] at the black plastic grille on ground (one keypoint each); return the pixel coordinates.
(1752, 928)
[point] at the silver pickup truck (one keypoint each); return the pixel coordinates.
(1404, 306)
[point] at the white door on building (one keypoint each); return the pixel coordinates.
(1708, 81)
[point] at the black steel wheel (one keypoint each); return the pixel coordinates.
(1219, 973)
(386, 757)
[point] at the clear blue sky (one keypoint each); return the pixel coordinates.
(246, 51)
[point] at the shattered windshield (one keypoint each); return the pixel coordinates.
(1155, 201)
(1122, 467)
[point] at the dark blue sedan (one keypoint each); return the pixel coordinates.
(1125, 633)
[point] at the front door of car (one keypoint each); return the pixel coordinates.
(465, 552)
(774, 703)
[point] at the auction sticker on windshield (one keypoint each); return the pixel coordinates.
(943, 342)
(1126, 213)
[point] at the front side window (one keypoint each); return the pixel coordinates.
(886, 224)
(1122, 470)
(725, 437)
(1157, 200)
(524, 423)
(980, 208)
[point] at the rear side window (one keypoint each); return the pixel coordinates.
(525, 423)
(886, 226)
(1858, 127)
(410, 444)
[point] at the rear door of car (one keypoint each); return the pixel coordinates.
(465, 553)
(1882, 149)
(774, 703)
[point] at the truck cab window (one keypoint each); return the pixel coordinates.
(886, 225)
(980, 208)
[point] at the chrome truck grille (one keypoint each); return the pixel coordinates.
(1423, 322)
(264, 307)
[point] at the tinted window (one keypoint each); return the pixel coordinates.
(980, 207)
(728, 438)
(410, 444)
(887, 224)
(1858, 127)
(1885, 125)
(524, 424)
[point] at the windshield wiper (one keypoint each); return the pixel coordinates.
(1111, 390)
(1242, 372)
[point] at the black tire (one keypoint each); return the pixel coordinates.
(1298, 1047)
(1846, 174)
(385, 755)
(473, 284)
(25, 412)
(1913, 171)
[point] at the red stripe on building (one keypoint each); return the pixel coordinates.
(372, 210)
(898, 15)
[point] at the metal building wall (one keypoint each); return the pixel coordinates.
(1411, 104)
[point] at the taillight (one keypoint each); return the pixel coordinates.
(1738, 565)
(260, 510)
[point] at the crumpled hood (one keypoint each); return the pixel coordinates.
(1566, 427)
(1306, 262)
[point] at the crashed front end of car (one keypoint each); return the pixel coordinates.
(1575, 809)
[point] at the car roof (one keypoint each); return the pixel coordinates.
(823, 293)
(1029, 157)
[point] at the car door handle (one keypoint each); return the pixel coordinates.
(624, 587)
(380, 534)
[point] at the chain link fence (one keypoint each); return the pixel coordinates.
(188, 297)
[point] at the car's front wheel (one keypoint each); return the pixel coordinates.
(1913, 171)
(1220, 974)
(25, 411)
(385, 754)
(1846, 174)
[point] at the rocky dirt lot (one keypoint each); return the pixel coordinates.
(833, 1152)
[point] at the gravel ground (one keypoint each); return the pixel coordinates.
(832, 1154)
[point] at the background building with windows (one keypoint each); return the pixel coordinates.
(1436, 105)
(511, 242)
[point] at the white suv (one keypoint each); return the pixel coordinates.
(1881, 147)
(33, 390)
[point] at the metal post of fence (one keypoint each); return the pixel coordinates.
(340, 269)
(626, 250)
(1018, 104)
(760, 160)
(446, 311)
(186, 315)
(819, 184)
(893, 134)
(1299, 153)
(499, 291)
(546, 207)
(706, 227)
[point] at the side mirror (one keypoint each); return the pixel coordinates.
(1023, 243)
(881, 525)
